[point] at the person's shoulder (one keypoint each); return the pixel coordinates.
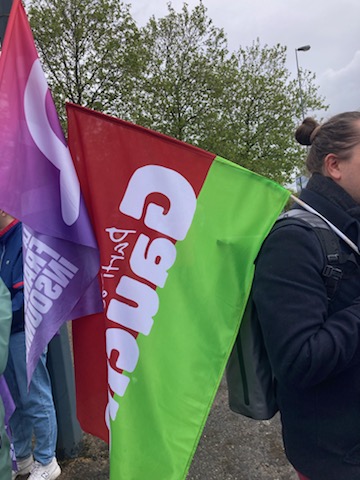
(290, 227)
(15, 228)
(292, 237)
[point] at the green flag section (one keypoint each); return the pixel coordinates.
(178, 231)
(161, 417)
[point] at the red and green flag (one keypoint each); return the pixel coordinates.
(178, 231)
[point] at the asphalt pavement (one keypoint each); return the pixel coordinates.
(234, 447)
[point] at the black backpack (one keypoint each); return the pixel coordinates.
(248, 373)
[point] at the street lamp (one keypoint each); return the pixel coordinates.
(304, 48)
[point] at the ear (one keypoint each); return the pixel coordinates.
(332, 167)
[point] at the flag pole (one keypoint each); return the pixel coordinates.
(61, 370)
(338, 232)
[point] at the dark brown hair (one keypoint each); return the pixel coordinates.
(339, 136)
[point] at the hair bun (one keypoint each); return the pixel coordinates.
(306, 132)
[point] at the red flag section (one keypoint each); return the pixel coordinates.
(114, 150)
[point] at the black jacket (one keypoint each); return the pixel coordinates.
(314, 345)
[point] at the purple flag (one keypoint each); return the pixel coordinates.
(39, 186)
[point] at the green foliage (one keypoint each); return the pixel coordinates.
(179, 90)
(243, 106)
(261, 112)
(89, 50)
(176, 75)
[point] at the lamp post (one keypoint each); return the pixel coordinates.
(304, 48)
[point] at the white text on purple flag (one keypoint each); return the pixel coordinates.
(46, 275)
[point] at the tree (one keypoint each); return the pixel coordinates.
(243, 106)
(176, 75)
(89, 50)
(180, 88)
(261, 111)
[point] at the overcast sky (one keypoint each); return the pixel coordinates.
(330, 27)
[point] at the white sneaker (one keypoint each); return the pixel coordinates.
(24, 467)
(45, 472)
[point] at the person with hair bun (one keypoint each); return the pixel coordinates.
(313, 343)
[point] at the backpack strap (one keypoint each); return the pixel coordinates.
(335, 259)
